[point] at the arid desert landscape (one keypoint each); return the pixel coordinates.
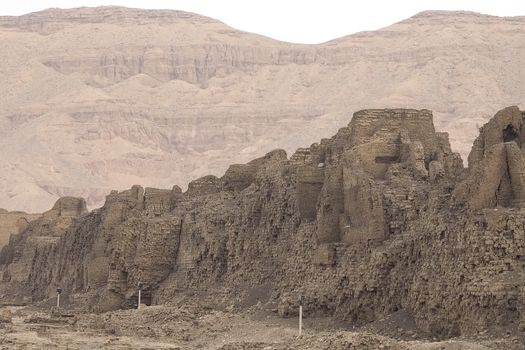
(172, 183)
(97, 99)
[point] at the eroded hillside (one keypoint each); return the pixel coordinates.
(95, 99)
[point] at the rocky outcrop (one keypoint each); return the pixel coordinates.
(380, 218)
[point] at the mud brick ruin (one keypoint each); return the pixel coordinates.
(381, 217)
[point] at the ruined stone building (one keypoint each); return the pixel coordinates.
(381, 217)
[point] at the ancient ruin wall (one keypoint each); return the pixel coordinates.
(382, 217)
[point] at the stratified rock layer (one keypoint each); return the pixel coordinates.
(382, 217)
(95, 99)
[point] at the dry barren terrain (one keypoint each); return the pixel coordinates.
(95, 99)
(191, 325)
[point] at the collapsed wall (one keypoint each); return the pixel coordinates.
(382, 217)
(12, 223)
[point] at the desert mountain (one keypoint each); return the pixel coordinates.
(95, 99)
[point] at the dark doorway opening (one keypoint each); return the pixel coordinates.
(387, 159)
(509, 134)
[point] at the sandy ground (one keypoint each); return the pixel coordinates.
(193, 326)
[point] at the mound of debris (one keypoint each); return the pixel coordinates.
(180, 323)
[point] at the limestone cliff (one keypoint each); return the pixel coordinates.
(95, 99)
(379, 218)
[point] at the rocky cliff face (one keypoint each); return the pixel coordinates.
(381, 217)
(95, 99)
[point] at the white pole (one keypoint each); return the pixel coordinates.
(138, 306)
(58, 300)
(300, 320)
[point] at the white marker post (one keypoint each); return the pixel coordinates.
(59, 291)
(300, 315)
(140, 292)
